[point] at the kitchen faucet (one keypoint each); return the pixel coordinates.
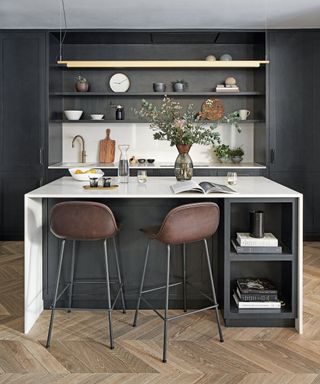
(83, 152)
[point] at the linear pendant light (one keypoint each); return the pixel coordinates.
(163, 64)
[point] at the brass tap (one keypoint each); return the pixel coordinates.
(83, 152)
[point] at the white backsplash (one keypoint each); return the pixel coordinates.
(142, 145)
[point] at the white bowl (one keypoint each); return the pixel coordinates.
(96, 117)
(85, 176)
(73, 114)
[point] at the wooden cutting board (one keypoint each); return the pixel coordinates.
(107, 149)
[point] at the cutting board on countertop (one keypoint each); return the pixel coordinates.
(107, 149)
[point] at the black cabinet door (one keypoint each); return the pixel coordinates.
(291, 95)
(23, 94)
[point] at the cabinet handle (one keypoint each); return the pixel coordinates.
(41, 156)
(272, 156)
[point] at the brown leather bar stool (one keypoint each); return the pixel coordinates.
(84, 221)
(185, 224)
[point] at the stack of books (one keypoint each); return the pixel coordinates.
(244, 243)
(227, 88)
(256, 293)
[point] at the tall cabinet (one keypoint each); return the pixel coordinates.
(22, 120)
(294, 101)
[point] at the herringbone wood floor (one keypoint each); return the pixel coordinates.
(79, 353)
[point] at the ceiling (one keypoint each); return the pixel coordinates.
(161, 14)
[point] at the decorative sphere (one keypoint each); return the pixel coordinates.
(211, 58)
(230, 81)
(226, 57)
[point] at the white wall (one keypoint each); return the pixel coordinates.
(142, 144)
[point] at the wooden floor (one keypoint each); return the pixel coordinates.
(79, 353)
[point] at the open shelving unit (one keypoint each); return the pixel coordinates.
(281, 269)
(156, 56)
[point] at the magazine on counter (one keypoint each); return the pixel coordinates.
(203, 187)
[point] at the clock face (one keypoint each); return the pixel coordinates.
(119, 82)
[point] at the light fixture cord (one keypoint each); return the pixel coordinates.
(62, 13)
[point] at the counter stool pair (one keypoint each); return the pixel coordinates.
(89, 221)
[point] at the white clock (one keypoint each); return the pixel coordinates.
(119, 82)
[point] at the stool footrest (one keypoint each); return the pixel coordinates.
(177, 316)
(162, 287)
(201, 292)
(62, 292)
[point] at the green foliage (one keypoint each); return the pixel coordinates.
(237, 152)
(81, 79)
(180, 81)
(233, 119)
(171, 122)
(222, 150)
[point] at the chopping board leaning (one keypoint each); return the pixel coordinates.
(107, 149)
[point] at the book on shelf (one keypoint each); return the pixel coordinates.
(245, 240)
(227, 89)
(256, 285)
(249, 297)
(256, 304)
(203, 187)
(256, 249)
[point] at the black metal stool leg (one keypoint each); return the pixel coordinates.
(141, 284)
(184, 277)
(165, 330)
(119, 275)
(53, 307)
(72, 274)
(213, 290)
(108, 293)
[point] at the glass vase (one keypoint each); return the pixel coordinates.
(183, 167)
(123, 167)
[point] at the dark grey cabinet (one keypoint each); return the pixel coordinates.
(294, 121)
(22, 124)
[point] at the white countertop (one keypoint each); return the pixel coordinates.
(158, 165)
(159, 187)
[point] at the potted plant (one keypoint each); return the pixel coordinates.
(222, 152)
(82, 84)
(179, 85)
(181, 127)
(236, 155)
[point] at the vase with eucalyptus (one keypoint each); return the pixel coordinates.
(180, 126)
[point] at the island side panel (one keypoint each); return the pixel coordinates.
(299, 319)
(33, 302)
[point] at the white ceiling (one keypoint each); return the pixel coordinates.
(161, 14)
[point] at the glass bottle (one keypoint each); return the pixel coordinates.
(123, 167)
(119, 112)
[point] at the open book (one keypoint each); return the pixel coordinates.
(203, 187)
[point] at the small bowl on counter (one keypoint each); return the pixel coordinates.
(150, 161)
(73, 114)
(97, 116)
(85, 173)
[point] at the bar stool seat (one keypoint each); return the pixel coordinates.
(84, 221)
(188, 223)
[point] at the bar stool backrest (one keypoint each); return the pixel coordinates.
(82, 220)
(189, 223)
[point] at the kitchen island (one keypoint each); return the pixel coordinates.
(136, 205)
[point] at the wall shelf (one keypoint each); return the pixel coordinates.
(155, 94)
(163, 64)
(108, 121)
